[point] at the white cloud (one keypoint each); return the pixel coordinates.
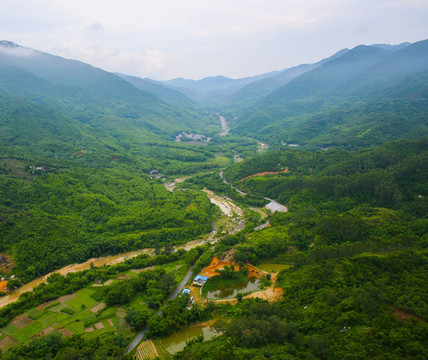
(150, 61)
(96, 27)
(196, 38)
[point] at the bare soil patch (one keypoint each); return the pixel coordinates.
(108, 282)
(65, 332)
(137, 271)
(3, 285)
(89, 330)
(7, 343)
(270, 294)
(7, 265)
(48, 331)
(22, 321)
(123, 277)
(99, 326)
(266, 173)
(99, 307)
(403, 315)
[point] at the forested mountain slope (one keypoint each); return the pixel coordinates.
(356, 235)
(392, 175)
(100, 106)
(61, 214)
(265, 86)
(365, 97)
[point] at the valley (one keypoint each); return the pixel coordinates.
(301, 196)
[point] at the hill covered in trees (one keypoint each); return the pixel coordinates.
(364, 97)
(85, 155)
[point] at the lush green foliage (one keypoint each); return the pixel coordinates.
(175, 315)
(392, 175)
(58, 285)
(62, 348)
(356, 233)
(334, 309)
(365, 97)
(68, 215)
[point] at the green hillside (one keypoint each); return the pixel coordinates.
(60, 215)
(392, 175)
(363, 98)
(90, 165)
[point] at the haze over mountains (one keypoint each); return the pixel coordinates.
(73, 106)
(358, 97)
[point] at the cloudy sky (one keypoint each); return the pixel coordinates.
(163, 39)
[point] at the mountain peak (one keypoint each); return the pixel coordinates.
(8, 44)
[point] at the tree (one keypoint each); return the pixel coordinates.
(137, 318)
(119, 293)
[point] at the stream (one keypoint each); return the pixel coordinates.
(235, 222)
(97, 262)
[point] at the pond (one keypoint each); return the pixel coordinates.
(272, 268)
(230, 292)
(177, 341)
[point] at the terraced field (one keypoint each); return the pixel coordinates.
(146, 350)
(69, 315)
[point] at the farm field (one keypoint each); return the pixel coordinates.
(79, 313)
(69, 315)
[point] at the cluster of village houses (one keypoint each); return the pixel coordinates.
(199, 280)
(193, 137)
(6, 278)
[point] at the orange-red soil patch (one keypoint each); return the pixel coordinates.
(217, 264)
(266, 173)
(3, 285)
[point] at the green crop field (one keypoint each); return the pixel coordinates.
(83, 318)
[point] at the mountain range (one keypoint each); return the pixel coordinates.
(355, 98)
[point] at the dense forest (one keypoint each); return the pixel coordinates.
(91, 164)
(356, 234)
(61, 216)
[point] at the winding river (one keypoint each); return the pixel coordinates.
(226, 206)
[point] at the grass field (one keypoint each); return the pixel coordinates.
(51, 319)
(78, 313)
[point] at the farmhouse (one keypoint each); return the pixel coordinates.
(185, 291)
(200, 280)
